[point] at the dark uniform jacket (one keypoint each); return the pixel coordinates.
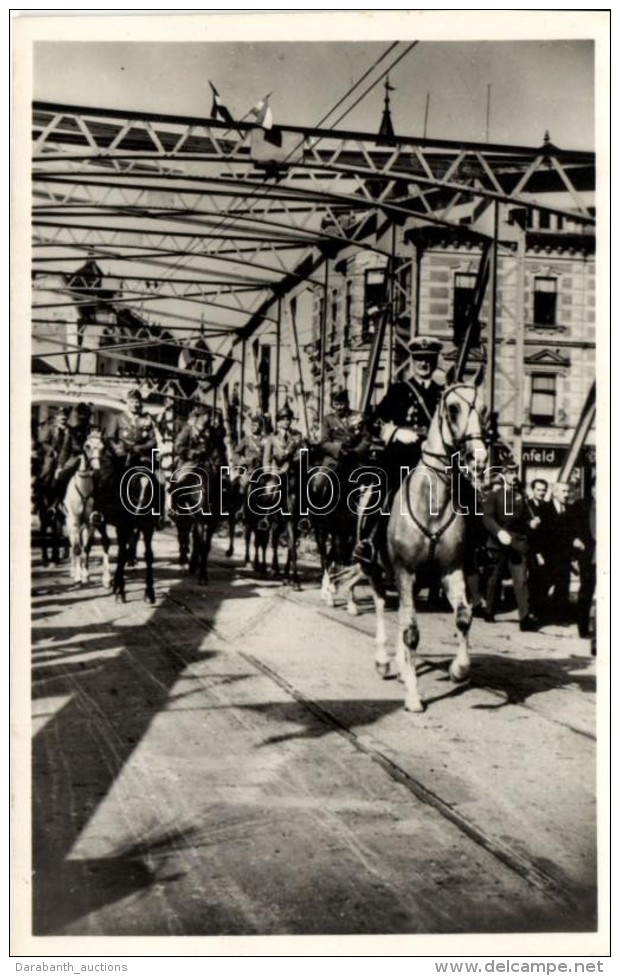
(345, 436)
(73, 443)
(505, 508)
(407, 404)
(192, 445)
(134, 437)
(281, 448)
(410, 404)
(250, 450)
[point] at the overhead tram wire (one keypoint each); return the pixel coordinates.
(362, 78)
(343, 98)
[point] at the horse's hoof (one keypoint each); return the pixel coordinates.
(382, 668)
(149, 598)
(352, 610)
(414, 705)
(228, 553)
(458, 674)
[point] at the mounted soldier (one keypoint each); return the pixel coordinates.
(250, 451)
(53, 444)
(344, 439)
(401, 421)
(282, 446)
(133, 438)
(197, 442)
(70, 452)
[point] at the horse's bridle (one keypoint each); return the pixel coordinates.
(435, 536)
(445, 457)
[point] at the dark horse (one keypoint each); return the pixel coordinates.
(200, 499)
(127, 497)
(52, 537)
(428, 528)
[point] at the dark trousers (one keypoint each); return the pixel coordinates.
(516, 563)
(559, 580)
(538, 585)
(587, 585)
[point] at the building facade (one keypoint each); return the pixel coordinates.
(540, 361)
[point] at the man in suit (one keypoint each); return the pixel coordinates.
(583, 511)
(561, 534)
(508, 521)
(539, 545)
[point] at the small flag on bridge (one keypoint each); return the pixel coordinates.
(218, 109)
(262, 113)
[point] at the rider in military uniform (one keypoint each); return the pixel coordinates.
(281, 447)
(47, 455)
(403, 417)
(344, 439)
(401, 421)
(69, 454)
(195, 443)
(250, 450)
(133, 437)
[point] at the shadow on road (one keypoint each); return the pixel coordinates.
(117, 677)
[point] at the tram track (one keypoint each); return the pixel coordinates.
(541, 878)
(432, 665)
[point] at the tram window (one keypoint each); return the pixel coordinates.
(545, 301)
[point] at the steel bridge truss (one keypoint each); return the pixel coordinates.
(202, 225)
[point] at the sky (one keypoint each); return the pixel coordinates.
(535, 86)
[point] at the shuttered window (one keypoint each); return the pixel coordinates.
(544, 392)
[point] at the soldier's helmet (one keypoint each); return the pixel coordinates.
(284, 413)
(134, 396)
(425, 347)
(340, 396)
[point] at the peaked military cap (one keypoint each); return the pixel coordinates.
(424, 347)
(284, 413)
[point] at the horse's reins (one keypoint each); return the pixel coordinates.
(435, 536)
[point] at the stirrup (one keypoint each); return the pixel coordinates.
(364, 552)
(263, 524)
(96, 518)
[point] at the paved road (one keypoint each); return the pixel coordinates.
(227, 762)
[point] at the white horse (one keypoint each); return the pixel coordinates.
(427, 528)
(81, 516)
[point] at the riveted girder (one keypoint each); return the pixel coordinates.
(196, 220)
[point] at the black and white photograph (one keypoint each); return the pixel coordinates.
(307, 312)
